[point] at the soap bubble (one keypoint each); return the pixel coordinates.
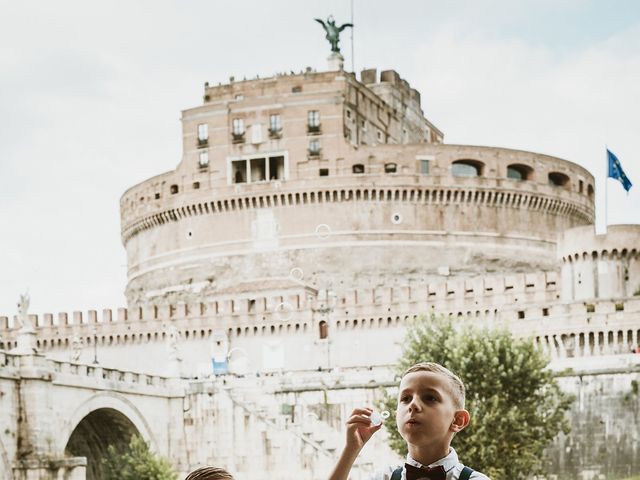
(283, 311)
(323, 231)
(377, 418)
(296, 274)
(239, 364)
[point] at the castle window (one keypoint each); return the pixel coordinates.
(466, 168)
(239, 171)
(358, 168)
(296, 89)
(519, 172)
(252, 170)
(276, 168)
(324, 172)
(203, 134)
(196, 185)
(558, 179)
(237, 130)
(348, 113)
(424, 167)
(174, 189)
(590, 190)
(275, 126)
(313, 121)
(580, 186)
(157, 196)
(324, 330)
(314, 147)
(390, 168)
(203, 159)
(258, 170)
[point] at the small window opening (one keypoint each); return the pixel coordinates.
(519, 172)
(324, 172)
(424, 167)
(314, 147)
(466, 168)
(390, 167)
(174, 189)
(324, 329)
(358, 168)
(196, 185)
(276, 168)
(203, 159)
(258, 170)
(558, 179)
(239, 171)
(545, 312)
(520, 314)
(296, 89)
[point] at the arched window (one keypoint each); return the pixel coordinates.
(519, 172)
(390, 168)
(467, 168)
(358, 168)
(558, 179)
(324, 329)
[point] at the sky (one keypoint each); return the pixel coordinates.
(91, 94)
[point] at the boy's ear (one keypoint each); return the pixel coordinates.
(460, 420)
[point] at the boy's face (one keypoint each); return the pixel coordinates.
(426, 414)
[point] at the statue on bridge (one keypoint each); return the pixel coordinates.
(333, 31)
(23, 312)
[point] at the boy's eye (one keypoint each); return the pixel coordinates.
(405, 399)
(430, 398)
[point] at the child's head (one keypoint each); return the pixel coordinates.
(209, 473)
(430, 406)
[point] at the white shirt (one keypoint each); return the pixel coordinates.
(451, 465)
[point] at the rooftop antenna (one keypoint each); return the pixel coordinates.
(353, 68)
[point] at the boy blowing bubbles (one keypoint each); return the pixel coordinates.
(430, 412)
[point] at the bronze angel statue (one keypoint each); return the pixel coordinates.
(333, 32)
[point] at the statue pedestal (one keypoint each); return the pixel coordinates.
(335, 61)
(26, 342)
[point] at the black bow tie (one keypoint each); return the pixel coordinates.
(433, 473)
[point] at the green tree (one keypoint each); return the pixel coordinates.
(135, 462)
(516, 405)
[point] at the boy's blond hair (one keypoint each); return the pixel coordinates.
(209, 473)
(456, 389)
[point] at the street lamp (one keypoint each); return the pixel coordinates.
(95, 346)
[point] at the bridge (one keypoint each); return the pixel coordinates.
(59, 417)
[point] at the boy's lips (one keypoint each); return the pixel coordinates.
(412, 421)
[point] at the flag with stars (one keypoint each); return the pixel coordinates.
(616, 172)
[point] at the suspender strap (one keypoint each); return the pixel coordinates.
(397, 474)
(466, 473)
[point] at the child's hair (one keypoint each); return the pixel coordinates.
(209, 473)
(456, 389)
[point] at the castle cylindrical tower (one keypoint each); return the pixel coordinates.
(338, 183)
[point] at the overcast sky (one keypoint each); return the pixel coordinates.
(91, 94)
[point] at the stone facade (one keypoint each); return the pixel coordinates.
(312, 217)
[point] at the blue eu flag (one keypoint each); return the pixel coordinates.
(616, 172)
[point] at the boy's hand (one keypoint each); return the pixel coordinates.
(359, 428)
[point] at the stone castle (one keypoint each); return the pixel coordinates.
(272, 274)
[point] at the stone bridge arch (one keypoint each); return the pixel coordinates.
(102, 420)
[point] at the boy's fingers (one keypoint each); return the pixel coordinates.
(364, 419)
(362, 411)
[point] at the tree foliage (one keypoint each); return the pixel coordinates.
(136, 462)
(516, 406)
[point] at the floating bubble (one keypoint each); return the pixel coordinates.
(238, 365)
(296, 274)
(283, 311)
(396, 218)
(323, 231)
(377, 418)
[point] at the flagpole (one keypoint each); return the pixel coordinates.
(606, 191)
